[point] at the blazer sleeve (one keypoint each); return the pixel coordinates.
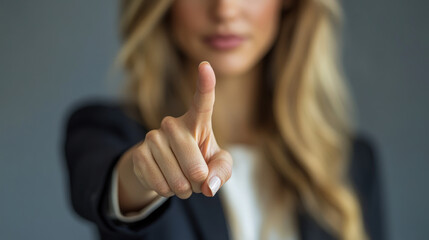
(96, 136)
(366, 177)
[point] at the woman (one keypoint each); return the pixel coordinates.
(281, 115)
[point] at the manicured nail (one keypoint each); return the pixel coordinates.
(214, 184)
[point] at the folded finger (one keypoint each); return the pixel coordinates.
(148, 172)
(188, 155)
(169, 166)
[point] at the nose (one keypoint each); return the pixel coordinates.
(225, 10)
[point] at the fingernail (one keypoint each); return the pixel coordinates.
(201, 63)
(214, 184)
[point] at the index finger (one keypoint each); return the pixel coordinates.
(202, 105)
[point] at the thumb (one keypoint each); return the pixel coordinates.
(220, 170)
(202, 105)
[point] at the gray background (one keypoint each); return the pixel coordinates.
(54, 53)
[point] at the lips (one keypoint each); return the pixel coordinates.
(224, 42)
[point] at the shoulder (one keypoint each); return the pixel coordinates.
(97, 108)
(102, 111)
(366, 177)
(105, 115)
(364, 165)
(363, 147)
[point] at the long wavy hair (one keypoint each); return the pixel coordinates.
(306, 122)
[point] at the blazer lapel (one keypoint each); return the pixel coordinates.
(208, 217)
(210, 223)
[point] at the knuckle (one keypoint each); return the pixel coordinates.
(182, 187)
(198, 173)
(162, 189)
(153, 136)
(185, 195)
(169, 124)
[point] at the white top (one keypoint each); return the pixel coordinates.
(244, 211)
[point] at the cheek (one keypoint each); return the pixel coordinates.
(187, 21)
(265, 18)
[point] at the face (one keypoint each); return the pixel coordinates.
(233, 35)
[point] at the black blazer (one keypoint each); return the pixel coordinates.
(99, 133)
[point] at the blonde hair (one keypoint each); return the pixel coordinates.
(308, 132)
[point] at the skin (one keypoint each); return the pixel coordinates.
(255, 20)
(183, 156)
